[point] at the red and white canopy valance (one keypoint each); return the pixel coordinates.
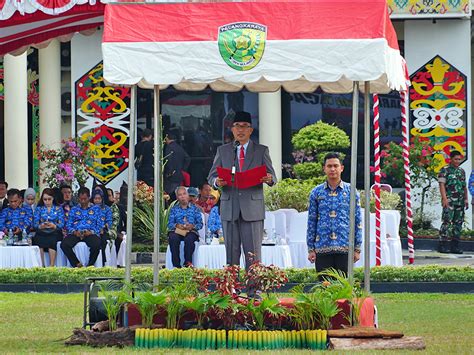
(49, 7)
(36, 22)
(262, 45)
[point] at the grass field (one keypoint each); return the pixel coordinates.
(39, 323)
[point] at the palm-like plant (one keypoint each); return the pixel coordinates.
(336, 284)
(147, 304)
(114, 297)
(326, 308)
(304, 312)
(258, 309)
(175, 306)
(202, 304)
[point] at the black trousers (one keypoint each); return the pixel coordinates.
(175, 240)
(337, 261)
(92, 241)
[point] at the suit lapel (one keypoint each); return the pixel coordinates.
(249, 154)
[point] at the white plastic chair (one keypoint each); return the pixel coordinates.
(385, 251)
(280, 224)
(297, 240)
(392, 227)
(289, 212)
(169, 262)
(269, 222)
(80, 249)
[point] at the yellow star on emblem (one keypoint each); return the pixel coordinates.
(241, 42)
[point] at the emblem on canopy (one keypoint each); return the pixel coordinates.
(242, 44)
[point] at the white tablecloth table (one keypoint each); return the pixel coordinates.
(19, 256)
(214, 256)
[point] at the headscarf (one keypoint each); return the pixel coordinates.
(30, 192)
(96, 192)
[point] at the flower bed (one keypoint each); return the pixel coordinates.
(226, 310)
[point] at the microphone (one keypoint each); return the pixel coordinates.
(236, 146)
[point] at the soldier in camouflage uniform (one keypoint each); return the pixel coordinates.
(454, 199)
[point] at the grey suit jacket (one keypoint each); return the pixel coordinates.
(247, 202)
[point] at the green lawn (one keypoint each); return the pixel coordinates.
(39, 323)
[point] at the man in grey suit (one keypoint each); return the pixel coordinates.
(242, 210)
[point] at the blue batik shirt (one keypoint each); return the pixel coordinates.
(105, 216)
(328, 219)
(55, 215)
(81, 219)
(178, 214)
(214, 222)
(471, 183)
(21, 217)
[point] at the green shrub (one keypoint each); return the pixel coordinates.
(311, 144)
(289, 193)
(426, 273)
(305, 171)
(320, 137)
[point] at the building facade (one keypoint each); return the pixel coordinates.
(58, 92)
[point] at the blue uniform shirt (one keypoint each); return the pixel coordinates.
(55, 215)
(471, 183)
(105, 216)
(21, 217)
(84, 219)
(214, 221)
(328, 219)
(177, 214)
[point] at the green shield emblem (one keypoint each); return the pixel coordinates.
(241, 44)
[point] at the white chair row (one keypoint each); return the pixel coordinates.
(82, 252)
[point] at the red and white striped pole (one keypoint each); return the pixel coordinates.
(378, 252)
(406, 161)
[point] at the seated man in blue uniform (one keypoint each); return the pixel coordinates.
(83, 225)
(16, 217)
(328, 220)
(184, 221)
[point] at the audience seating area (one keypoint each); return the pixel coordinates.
(289, 224)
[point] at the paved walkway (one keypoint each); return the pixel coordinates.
(426, 257)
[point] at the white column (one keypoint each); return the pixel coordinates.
(16, 120)
(50, 96)
(269, 126)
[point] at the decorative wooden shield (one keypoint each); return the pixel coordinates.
(103, 117)
(438, 107)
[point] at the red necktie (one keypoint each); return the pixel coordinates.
(241, 158)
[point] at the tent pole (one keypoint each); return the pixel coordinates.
(367, 186)
(131, 180)
(157, 186)
(355, 123)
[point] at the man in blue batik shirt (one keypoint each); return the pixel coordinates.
(83, 225)
(328, 220)
(15, 217)
(184, 221)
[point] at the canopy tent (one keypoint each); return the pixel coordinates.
(300, 45)
(262, 46)
(36, 22)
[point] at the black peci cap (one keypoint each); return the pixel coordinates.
(242, 116)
